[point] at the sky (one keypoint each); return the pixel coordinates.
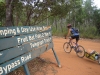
(97, 3)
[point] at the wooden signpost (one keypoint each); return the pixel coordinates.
(19, 45)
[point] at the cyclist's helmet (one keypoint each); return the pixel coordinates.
(69, 25)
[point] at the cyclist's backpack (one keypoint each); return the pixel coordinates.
(75, 30)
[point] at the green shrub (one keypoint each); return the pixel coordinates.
(85, 32)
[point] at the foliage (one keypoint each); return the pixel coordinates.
(85, 32)
(58, 13)
(97, 19)
(61, 9)
(2, 10)
(88, 32)
(58, 32)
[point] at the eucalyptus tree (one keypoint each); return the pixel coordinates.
(88, 9)
(79, 12)
(9, 13)
(14, 12)
(59, 12)
(97, 19)
(19, 13)
(2, 13)
(36, 10)
(43, 11)
(26, 12)
(75, 14)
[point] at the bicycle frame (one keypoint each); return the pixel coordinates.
(71, 43)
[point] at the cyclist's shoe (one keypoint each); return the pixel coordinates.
(72, 46)
(78, 51)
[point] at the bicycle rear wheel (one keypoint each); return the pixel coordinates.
(67, 47)
(80, 51)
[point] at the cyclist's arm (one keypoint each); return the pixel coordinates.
(68, 34)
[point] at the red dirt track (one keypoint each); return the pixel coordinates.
(71, 64)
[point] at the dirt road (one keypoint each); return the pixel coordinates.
(71, 64)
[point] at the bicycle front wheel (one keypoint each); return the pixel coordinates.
(67, 47)
(80, 51)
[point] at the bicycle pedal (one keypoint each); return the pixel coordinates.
(78, 51)
(72, 46)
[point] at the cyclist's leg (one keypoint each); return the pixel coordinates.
(77, 39)
(70, 40)
(72, 37)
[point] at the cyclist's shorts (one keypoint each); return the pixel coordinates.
(75, 37)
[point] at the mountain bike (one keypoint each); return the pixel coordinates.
(68, 46)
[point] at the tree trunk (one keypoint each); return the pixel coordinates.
(17, 19)
(55, 21)
(61, 21)
(9, 13)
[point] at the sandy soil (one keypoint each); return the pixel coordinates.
(71, 64)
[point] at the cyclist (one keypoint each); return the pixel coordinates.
(71, 32)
